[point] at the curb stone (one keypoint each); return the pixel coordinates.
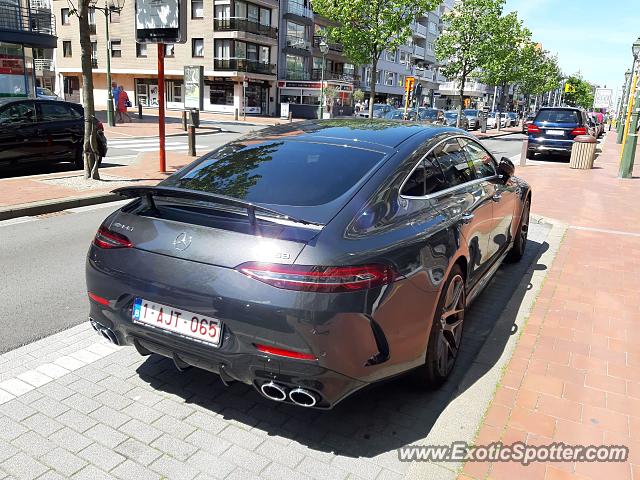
(56, 205)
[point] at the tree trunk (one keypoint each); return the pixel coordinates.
(90, 142)
(463, 81)
(374, 76)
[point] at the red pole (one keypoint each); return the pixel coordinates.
(163, 159)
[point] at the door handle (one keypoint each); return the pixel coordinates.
(496, 196)
(467, 217)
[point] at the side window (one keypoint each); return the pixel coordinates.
(18, 113)
(482, 161)
(425, 179)
(455, 165)
(56, 112)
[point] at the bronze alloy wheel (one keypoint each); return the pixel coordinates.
(450, 326)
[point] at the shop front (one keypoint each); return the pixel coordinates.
(16, 70)
(304, 98)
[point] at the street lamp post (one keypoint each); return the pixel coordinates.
(624, 98)
(115, 6)
(324, 49)
(631, 124)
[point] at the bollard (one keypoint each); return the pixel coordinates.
(235, 115)
(192, 140)
(184, 120)
(290, 117)
(523, 153)
(140, 110)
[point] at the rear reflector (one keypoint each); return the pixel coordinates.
(106, 238)
(319, 279)
(98, 299)
(579, 131)
(533, 128)
(281, 352)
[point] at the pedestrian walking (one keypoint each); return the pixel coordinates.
(114, 94)
(123, 104)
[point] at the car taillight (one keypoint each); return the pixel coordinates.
(98, 299)
(106, 238)
(579, 131)
(281, 352)
(319, 279)
(531, 128)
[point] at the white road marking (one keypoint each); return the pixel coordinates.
(121, 157)
(16, 221)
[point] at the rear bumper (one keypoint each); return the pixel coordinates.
(541, 144)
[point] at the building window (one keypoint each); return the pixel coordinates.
(404, 57)
(367, 76)
(64, 16)
(141, 50)
(389, 79)
(197, 8)
(390, 55)
(432, 27)
(430, 47)
(66, 48)
(221, 93)
(295, 68)
(92, 16)
(116, 48)
(94, 50)
(400, 82)
(169, 49)
(197, 47)
(114, 17)
(296, 36)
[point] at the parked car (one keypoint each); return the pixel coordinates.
(528, 120)
(44, 131)
(513, 119)
(46, 94)
(491, 120)
(379, 111)
(554, 128)
(305, 276)
(474, 118)
(395, 114)
(431, 116)
(451, 117)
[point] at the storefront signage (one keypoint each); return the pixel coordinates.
(194, 86)
(161, 21)
(299, 85)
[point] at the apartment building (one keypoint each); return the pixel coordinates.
(302, 66)
(235, 41)
(26, 31)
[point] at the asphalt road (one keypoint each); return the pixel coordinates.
(42, 260)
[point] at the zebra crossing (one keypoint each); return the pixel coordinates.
(148, 144)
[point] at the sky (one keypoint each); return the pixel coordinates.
(593, 37)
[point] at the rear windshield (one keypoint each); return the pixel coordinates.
(429, 113)
(280, 173)
(557, 116)
(450, 114)
(471, 113)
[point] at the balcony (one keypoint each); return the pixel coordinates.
(418, 30)
(298, 43)
(333, 47)
(418, 52)
(316, 74)
(40, 5)
(243, 25)
(297, 75)
(243, 65)
(35, 28)
(299, 10)
(43, 64)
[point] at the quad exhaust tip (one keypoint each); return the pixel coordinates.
(302, 397)
(273, 391)
(104, 331)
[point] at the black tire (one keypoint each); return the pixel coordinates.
(520, 241)
(446, 334)
(530, 154)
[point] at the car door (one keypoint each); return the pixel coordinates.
(17, 132)
(59, 129)
(503, 195)
(466, 202)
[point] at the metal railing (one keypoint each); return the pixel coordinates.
(335, 47)
(297, 42)
(297, 75)
(244, 25)
(42, 64)
(316, 74)
(418, 51)
(20, 19)
(300, 10)
(243, 65)
(419, 29)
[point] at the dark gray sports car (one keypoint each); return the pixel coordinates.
(311, 259)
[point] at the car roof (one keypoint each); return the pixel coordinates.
(354, 132)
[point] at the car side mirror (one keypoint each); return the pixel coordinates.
(506, 168)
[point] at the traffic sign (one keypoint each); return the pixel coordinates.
(568, 88)
(602, 98)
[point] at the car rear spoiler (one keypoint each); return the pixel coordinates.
(147, 192)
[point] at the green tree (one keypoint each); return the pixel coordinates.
(467, 42)
(541, 73)
(583, 94)
(504, 63)
(367, 27)
(358, 95)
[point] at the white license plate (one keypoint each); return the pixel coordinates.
(188, 324)
(558, 133)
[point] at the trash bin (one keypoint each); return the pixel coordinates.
(194, 117)
(583, 152)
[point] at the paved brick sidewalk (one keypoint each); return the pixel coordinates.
(575, 374)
